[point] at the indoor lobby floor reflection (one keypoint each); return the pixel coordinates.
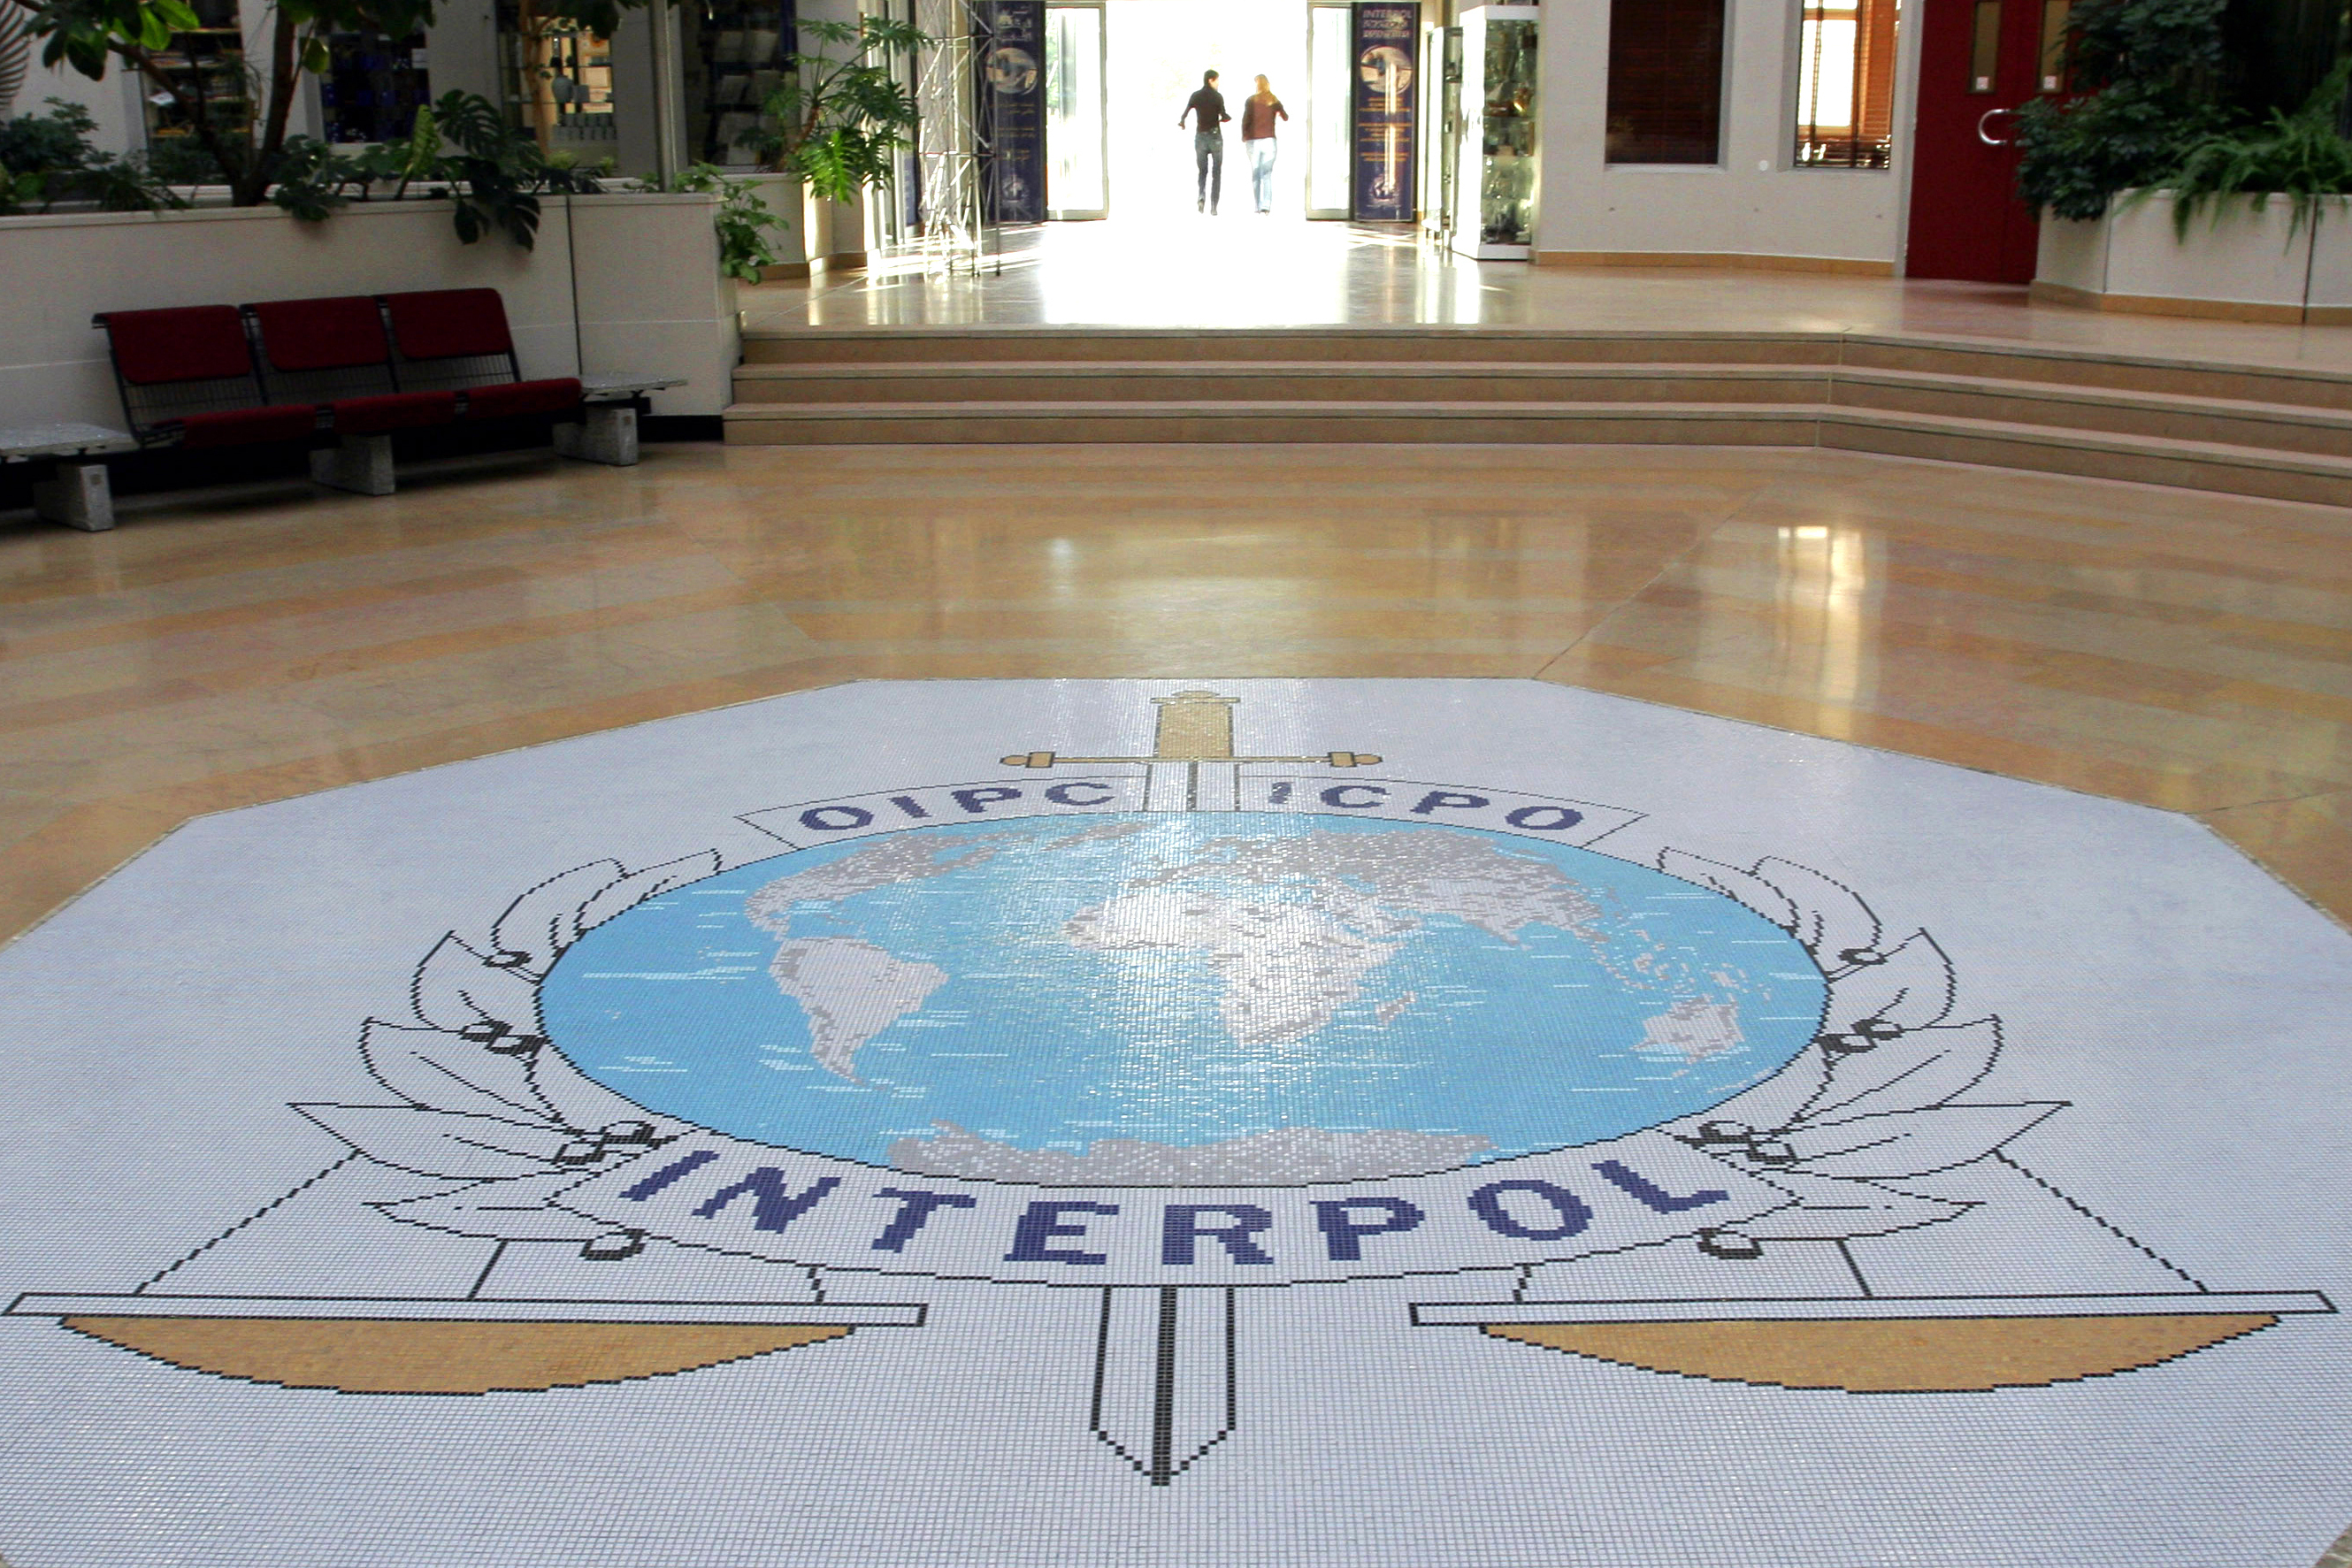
(1241, 270)
(2187, 651)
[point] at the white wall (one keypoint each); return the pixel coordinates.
(650, 298)
(462, 50)
(1755, 202)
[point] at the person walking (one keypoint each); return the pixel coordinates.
(1259, 111)
(1207, 110)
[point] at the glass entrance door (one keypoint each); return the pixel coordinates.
(1330, 112)
(1077, 130)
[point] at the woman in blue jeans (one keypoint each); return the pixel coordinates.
(1259, 111)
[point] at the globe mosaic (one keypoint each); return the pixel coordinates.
(1173, 997)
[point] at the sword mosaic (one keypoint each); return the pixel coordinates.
(1353, 1122)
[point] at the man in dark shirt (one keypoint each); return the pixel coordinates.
(1207, 110)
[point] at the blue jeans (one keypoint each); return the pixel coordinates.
(1209, 163)
(1260, 162)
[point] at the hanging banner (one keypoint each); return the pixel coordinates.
(1386, 44)
(1009, 54)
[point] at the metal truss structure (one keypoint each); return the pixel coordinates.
(948, 154)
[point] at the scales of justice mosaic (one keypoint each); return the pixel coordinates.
(1166, 1029)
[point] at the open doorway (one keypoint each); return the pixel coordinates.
(1119, 73)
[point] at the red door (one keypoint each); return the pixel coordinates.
(1979, 60)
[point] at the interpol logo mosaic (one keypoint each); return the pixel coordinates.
(1169, 1027)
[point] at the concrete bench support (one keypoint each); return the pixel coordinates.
(360, 463)
(79, 497)
(608, 435)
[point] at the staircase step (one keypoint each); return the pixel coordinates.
(1299, 420)
(974, 344)
(1286, 380)
(2172, 417)
(2215, 466)
(2176, 417)
(2058, 364)
(2295, 385)
(2196, 465)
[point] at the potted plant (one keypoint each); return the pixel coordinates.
(837, 120)
(2159, 174)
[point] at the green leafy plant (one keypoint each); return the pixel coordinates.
(836, 120)
(2301, 156)
(743, 221)
(2146, 73)
(497, 172)
(461, 147)
(49, 158)
(247, 154)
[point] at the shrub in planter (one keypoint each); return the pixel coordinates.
(49, 158)
(2146, 73)
(743, 221)
(493, 172)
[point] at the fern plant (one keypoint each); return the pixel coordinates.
(2301, 156)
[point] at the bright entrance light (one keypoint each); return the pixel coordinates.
(1158, 49)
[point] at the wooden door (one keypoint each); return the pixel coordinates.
(1979, 61)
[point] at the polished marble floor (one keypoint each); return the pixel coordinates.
(1240, 270)
(2178, 649)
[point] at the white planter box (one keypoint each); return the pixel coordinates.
(2238, 261)
(2329, 303)
(648, 299)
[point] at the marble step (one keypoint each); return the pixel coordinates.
(2172, 417)
(2193, 465)
(2302, 386)
(972, 344)
(2236, 422)
(1279, 380)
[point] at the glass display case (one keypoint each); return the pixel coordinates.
(1497, 174)
(734, 54)
(207, 64)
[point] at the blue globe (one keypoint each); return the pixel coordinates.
(1184, 996)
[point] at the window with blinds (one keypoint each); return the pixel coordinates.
(1845, 84)
(1666, 82)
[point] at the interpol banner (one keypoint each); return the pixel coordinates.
(1009, 57)
(1386, 46)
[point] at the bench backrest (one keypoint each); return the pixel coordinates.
(316, 351)
(452, 338)
(169, 364)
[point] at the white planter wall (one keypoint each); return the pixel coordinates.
(649, 295)
(2329, 301)
(651, 298)
(2253, 263)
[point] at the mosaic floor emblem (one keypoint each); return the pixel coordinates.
(1525, 1034)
